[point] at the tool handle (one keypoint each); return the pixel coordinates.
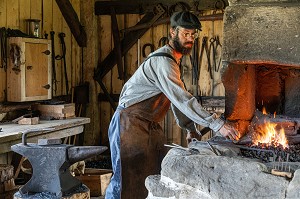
(25, 133)
(282, 173)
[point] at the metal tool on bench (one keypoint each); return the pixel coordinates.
(50, 162)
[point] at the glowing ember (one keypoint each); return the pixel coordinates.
(270, 135)
(264, 111)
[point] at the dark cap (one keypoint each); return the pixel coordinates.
(186, 20)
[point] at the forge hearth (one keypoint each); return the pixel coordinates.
(205, 175)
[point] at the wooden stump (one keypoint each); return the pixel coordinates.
(6, 172)
(8, 194)
(83, 193)
(7, 183)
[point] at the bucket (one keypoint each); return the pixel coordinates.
(33, 27)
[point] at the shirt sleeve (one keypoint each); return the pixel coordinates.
(165, 73)
(183, 121)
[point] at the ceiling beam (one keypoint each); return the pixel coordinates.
(121, 7)
(143, 6)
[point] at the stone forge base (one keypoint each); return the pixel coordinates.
(82, 193)
(208, 176)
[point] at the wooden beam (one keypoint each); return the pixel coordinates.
(117, 42)
(143, 6)
(121, 7)
(108, 96)
(102, 97)
(73, 22)
(128, 41)
(166, 20)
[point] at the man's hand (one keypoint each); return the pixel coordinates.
(229, 131)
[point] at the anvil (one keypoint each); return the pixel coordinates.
(50, 164)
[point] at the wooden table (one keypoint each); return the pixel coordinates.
(12, 133)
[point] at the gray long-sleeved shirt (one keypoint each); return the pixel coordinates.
(161, 74)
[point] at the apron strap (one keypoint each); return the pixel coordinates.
(162, 54)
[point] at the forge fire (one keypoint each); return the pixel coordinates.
(268, 137)
(269, 133)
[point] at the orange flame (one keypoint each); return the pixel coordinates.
(268, 135)
(264, 111)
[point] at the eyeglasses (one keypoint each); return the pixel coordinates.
(194, 35)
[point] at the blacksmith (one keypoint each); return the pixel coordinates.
(136, 138)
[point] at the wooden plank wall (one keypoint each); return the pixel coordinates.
(13, 14)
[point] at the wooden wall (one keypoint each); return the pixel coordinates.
(13, 14)
(99, 45)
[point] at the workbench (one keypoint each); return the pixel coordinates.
(12, 133)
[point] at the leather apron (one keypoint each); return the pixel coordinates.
(142, 140)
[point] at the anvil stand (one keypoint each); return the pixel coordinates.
(50, 162)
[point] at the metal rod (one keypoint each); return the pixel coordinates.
(176, 146)
(213, 149)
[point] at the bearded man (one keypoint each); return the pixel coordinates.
(136, 138)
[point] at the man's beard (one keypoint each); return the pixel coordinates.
(180, 48)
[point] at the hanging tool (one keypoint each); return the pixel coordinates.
(3, 43)
(214, 44)
(195, 65)
(151, 46)
(63, 56)
(213, 49)
(54, 81)
(209, 67)
(163, 41)
(218, 44)
(204, 47)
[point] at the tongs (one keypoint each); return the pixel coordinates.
(217, 152)
(213, 149)
(181, 147)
